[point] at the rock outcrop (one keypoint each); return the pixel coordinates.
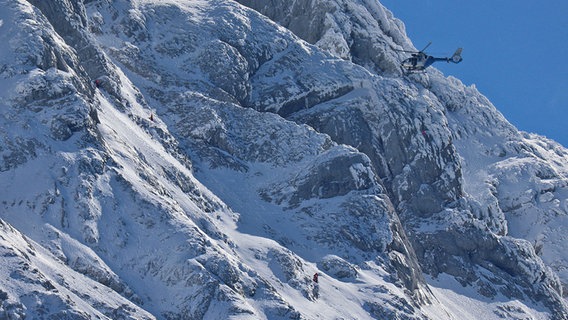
(225, 154)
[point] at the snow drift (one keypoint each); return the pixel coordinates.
(230, 151)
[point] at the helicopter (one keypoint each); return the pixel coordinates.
(420, 60)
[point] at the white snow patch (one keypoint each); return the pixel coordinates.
(465, 303)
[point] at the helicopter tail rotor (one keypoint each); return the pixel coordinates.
(457, 58)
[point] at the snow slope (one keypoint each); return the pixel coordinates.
(222, 161)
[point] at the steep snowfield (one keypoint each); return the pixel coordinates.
(222, 161)
(38, 284)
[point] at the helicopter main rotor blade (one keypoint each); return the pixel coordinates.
(426, 47)
(407, 51)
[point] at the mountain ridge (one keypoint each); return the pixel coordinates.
(222, 161)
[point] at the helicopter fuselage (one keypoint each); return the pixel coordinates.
(420, 61)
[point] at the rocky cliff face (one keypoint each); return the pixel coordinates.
(458, 158)
(221, 161)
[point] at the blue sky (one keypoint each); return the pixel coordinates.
(515, 52)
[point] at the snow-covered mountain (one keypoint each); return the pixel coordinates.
(192, 159)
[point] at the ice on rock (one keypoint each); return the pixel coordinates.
(231, 150)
